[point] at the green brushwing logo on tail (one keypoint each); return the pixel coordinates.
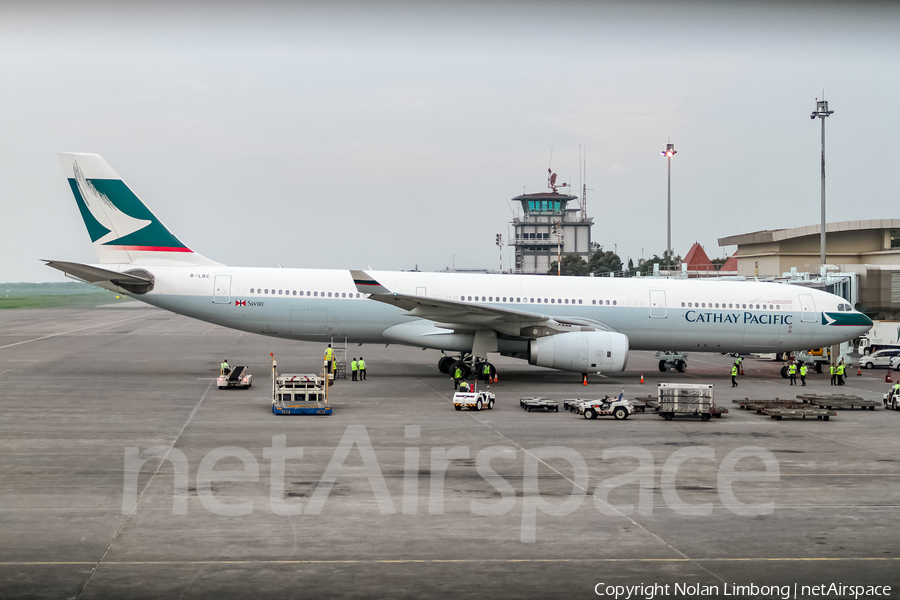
(114, 216)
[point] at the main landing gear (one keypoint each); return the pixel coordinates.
(676, 361)
(466, 362)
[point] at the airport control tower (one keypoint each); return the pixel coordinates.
(535, 233)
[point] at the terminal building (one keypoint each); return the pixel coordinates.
(869, 249)
(551, 225)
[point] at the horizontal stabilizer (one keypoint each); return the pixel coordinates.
(138, 281)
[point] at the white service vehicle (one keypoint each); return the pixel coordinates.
(891, 400)
(895, 363)
(473, 400)
(238, 377)
(881, 358)
(620, 408)
(882, 334)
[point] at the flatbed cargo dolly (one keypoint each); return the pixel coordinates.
(819, 413)
(474, 400)
(545, 404)
(238, 377)
(833, 401)
(779, 408)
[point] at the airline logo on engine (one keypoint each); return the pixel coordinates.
(696, 316)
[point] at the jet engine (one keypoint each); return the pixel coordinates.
(580, 351)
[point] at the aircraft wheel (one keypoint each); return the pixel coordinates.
(444, 364)
(784, 372)
(662, 366)
(680, 366)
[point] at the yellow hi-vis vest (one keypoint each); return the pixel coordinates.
(353, 365)
(329, 354)
(792, 369)
(361, 365)
(734, 370)
(803, 371)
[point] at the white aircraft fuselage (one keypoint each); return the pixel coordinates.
(573, 323)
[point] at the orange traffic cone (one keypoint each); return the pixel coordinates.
(642, 378)
(584, 381)
(859, 370)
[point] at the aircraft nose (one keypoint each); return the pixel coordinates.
(867, 322)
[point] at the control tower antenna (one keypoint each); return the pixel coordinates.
(582, 167)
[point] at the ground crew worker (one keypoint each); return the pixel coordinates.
(486, 372)
(840, 373)
(329, 358)
(734, 372)
(803, 373)
(896, 389)
(225, 368)
(792, 373)
(739, 364)
(353, 368)
(457, 376)
(361, 365)
(464, 387)
(833, 374)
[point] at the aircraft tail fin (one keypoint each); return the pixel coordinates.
(122, 229)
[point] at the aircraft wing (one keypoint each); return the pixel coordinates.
(461, 315)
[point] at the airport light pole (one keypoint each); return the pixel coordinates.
(822, 112)
(669, 152)
(499, 242)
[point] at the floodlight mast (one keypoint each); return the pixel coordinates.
(822, 112)
(669, 152)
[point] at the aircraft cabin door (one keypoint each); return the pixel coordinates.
(222, 287)
(657, 304)
(808, 308)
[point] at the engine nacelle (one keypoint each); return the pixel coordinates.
(581, 351)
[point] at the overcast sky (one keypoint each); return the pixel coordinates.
(390, 135)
